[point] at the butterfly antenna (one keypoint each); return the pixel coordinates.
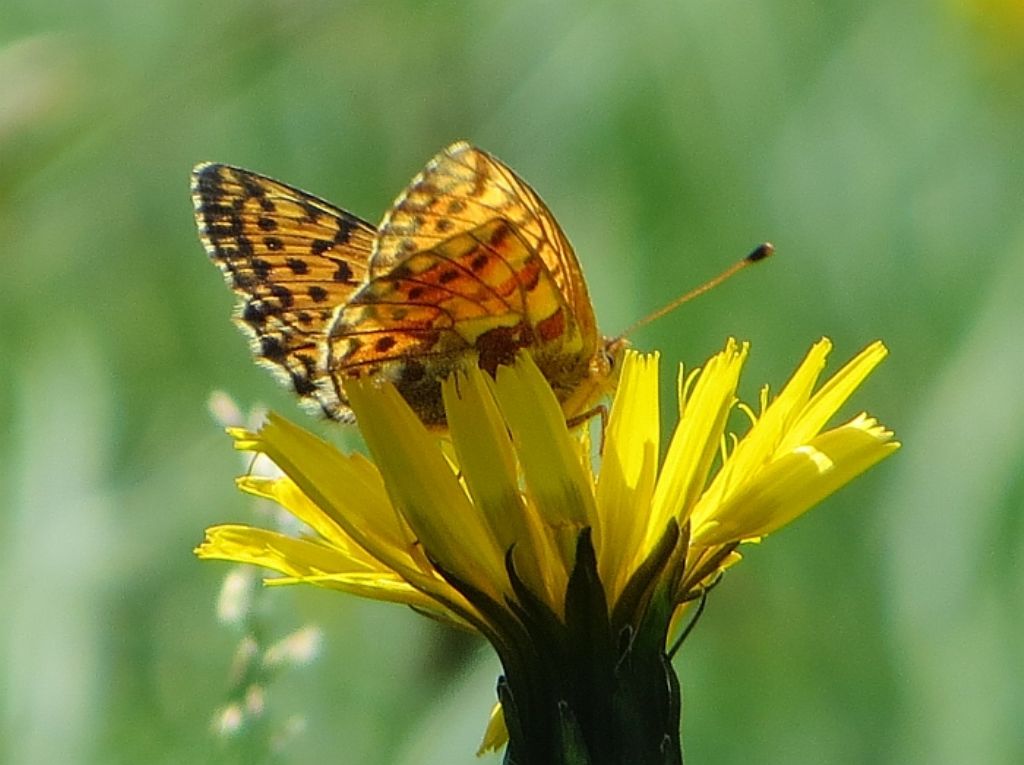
(761, 252)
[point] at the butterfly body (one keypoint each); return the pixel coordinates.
(468, 266)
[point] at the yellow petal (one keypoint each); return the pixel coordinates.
(696, 439)
(550, 458)
(308, 562)
(795, 482)
(287, 494)
(760, 444)
(425, 491)
(276, 551)
(350, 491)
(387, 588)
(347, 489)
(496, 734)
(488, 463)
(833, 394)
(629, 467)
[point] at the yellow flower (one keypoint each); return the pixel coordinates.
(575, 578)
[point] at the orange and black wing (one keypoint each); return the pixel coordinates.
(293, 259)
(475, 296)
(463, 188)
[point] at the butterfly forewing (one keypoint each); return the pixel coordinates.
(482, 294)
(463, 187)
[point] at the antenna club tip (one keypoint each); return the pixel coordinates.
(761, 252)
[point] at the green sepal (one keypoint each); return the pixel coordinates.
(589, 693)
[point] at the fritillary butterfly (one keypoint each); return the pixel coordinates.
(468, 266)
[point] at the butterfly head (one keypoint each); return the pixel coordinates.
(607, 361)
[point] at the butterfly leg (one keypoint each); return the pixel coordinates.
(600, 411)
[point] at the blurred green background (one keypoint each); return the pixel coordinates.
(877, 144)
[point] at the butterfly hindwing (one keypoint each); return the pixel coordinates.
(292, 258)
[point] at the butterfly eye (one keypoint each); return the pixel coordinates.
(613, 349)
(609, 359)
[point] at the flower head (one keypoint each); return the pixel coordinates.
(575, 577)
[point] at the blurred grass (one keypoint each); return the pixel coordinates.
(878, 145)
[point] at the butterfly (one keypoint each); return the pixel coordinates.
(468, 266)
